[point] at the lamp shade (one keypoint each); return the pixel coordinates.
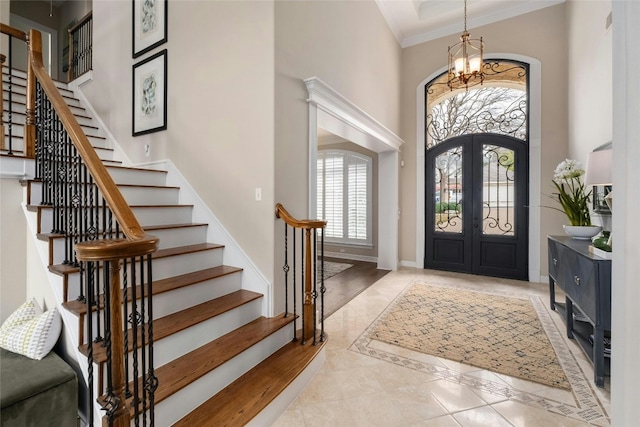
(599, 165)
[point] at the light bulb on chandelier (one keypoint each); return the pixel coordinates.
(465, 60)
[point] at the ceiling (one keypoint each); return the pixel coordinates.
(418, 21)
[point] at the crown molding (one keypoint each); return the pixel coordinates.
(325, 98)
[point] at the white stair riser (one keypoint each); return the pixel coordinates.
(165, 267)
(151, 195)
(139, 196)
(17, 144)
(183, 342)
(186, 400)
(187, 263)
(169, 238)
(17, 129)
(167, 303)
(155, 215)
(137, 176)
(179, 299)
(19, 96)
(183, 236)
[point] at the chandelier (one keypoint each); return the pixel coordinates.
(465, 60)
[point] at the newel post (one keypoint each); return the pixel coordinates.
(119, 413)
(309, 326)
(35, 45)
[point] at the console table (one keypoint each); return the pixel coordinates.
(585, 279)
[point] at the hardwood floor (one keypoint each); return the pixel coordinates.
(345, 286)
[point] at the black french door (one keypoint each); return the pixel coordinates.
(476, 215)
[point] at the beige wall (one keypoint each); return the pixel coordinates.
(220, 106)
(13, 248)
(590, 85)
(539, 35)
(349, 46)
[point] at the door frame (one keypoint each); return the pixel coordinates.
(330, 110)
(472, 236)
(535, 141)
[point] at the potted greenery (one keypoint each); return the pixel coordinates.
(574, 199)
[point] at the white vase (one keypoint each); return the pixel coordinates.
(582, 232)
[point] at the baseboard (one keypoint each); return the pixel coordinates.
(353, 257)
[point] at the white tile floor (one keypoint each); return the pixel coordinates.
(356, 389)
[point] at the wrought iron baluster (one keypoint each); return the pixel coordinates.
(134, 321)
(151, 384)
(143, 341)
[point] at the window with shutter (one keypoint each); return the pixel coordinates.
(344, 196)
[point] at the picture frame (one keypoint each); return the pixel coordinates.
(149, 94)
(598, 202)
(149, 25)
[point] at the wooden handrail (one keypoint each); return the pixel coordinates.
(116, 202)
(109, 251)
(81, 22)
(307, 224)
(13, 32)
(308, 330)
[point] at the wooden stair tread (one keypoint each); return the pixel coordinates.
(186, 369)
(137, 169)
(243, 399)
(79, 308)
(176, 322)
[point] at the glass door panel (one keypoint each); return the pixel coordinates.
(448, 191)
(498, 184)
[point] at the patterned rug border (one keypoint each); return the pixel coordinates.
(588, 407)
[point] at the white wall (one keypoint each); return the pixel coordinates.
(220, 106)
(13, 248)
(590, 82)
(625, 368)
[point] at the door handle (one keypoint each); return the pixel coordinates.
(475, 225)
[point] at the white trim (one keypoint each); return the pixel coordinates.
(252, 277)
(535, 142)
(331, 102)
(333, 112)
(354, 257)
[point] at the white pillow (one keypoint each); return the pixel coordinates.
(27, 311)
(33, 337)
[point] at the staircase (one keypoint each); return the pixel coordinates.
(218, 359)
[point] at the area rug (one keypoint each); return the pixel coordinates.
(494, 332)
(331, 269)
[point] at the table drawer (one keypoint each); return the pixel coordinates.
(581, 286)
(555, 252)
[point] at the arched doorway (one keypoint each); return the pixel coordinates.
(477, 174)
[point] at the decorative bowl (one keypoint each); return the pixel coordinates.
(582, 232)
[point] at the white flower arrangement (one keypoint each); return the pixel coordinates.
(572, 196)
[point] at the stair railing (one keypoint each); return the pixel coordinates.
(80, 47)
(112, 252)
(305, 273)
(11, 33)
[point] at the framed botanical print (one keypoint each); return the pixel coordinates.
(150, 94)
(599, 204)
(149, 25)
